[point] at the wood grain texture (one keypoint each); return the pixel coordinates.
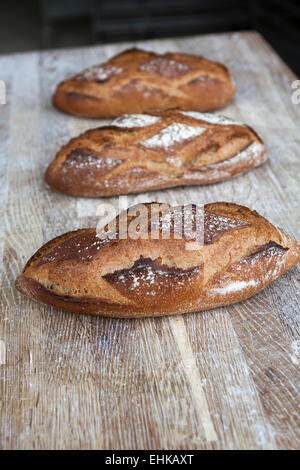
(223, 379)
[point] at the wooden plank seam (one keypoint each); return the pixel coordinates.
(192, 373)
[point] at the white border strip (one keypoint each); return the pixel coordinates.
(2, 353)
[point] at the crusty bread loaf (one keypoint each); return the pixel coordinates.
(115, 276)
(143, 152)
(137, 81)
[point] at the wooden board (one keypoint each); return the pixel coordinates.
(223, 379)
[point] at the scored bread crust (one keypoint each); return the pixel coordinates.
(138, 81)
(143, 152)
(129, 278)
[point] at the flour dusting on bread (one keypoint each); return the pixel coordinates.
(87, 161)
(215, 225)
(212, 118)
(233, 286)
(196, 222)
(253, 155)
(253, 151)
(269, 260)
(135, 120)
(173, 134)
(99, 73)
(165, 67)
(274, 257)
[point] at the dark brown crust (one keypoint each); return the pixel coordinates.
(232, 269)
(127, 166)
(205, 86)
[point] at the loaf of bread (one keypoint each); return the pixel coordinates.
(138, 153)
(157, 260)
(137, 81)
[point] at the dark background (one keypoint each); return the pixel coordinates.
(40, 24)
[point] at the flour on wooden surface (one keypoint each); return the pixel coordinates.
(135, 120)
(173, 134)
